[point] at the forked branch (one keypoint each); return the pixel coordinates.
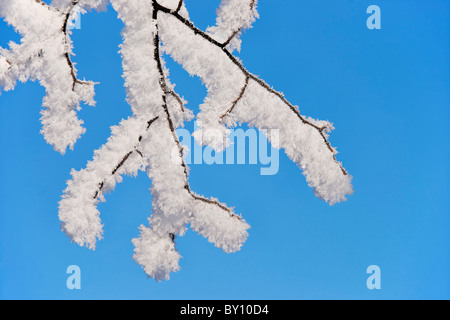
(248, 75)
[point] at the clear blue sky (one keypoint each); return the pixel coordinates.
(387, 91)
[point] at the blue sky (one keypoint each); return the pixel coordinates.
(387, 92)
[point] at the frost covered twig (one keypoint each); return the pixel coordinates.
(144, 141)
(189, 45)
(44, 55)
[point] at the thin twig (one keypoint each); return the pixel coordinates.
(177, 97)
(226, 43)
(235, 102)
(125, 158)
(180, 4)
(69, 61)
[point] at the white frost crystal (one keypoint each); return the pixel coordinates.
(145, 141)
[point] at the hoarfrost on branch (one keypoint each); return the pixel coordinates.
(144, 141)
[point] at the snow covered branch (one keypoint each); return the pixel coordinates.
(305, 140)
(44, 55)
(233, 17)
(144, 141)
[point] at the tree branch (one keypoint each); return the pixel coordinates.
(177, 97)
(164, 88)
(125, 158)
(69, 61)
(235, 61)
(180, 4)
(227, 42)
(42, 3)
(235, 102)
